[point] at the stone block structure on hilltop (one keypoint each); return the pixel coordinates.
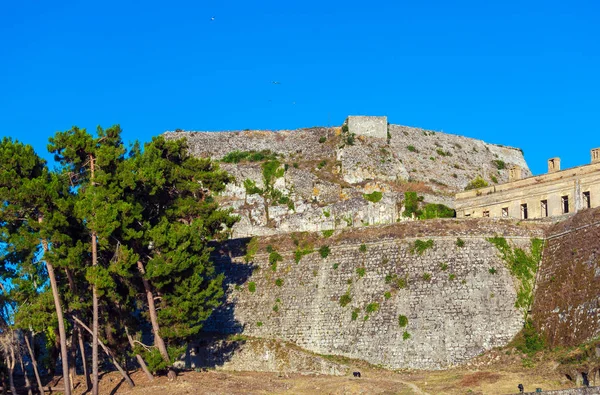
(553, 194)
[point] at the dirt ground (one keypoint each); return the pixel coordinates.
(497, 378)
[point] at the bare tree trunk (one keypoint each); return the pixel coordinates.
(25, 375)
(88, 384)
(139, 358)
(34, 363)
(59, 314)
(158, 340)
(109, 353)
(95, 377)
(10, 366)
(73, 357)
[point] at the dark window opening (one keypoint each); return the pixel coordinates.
(486, 213)
(544, 208)
(565, 204)
(505, 211)
(586, 200)
(524, 211)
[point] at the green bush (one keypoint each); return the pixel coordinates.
(251, 249)
(387, 295)
(405, 335)
(322, 164)
(295, 164)
(452, 277)
(361, 271)
(355, 314)
(420, 246)
(477, 183)
(363, 248)
(372, 307)
(279, 282)
(300, 252)
(373, 197)
(412, 148)
(274, 257)
(252, 286)
(500, 165)
(426, 276)
(494, 179)
(492, 270)
(335, 266)
(276, 308)
(322, 139)
(531, 341)
(441, 152)
(327, 213)
(259, 324)
(345, 299)
(324, 251)
(248, 156)
(444, 266)
(328, 233)
(432, 210)
(402, 321)
(460, 242)
(411, 204)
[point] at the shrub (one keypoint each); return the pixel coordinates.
(477, 183)
(252, 286)
(494, 179)
(411, 148)
(373, 197)
(402, 321)
(387, 295)
(335, 266)
(279, 282)
(322, 164)
(276, 308)
(355, 314)
(363, 248)
(421, 246)
(324, 251)
(441, 152)
(432, 210)
(300, 252)
(372, 307)
(322, 139)
(350, 139)
(328, 233)
(251, 249)
(444, 266)
(361, 271)
(530, 341)
(345, 299)
(452, 277)
(248, 156)
(426, 276)
(295, 164)
(274, 257)
(460, 242)
(345, 128)
(259, 324)
(500, 165)
(326, 213)
(411, 204)
(405, 335)
(492, 270)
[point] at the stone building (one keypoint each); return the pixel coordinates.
(556, 193)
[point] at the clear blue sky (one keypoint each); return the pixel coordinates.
(520, 73)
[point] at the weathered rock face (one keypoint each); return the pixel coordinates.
(327, 173)
(567, 297)
(349, 300)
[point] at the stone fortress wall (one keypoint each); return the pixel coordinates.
(327, 181)
(549, 195)
(458, 299)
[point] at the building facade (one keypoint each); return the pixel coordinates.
(556, 193)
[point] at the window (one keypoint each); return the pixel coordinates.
(524, 211)
(486, 213)
(564, 201)
(504, 211)
(544, 208)
(586, 200)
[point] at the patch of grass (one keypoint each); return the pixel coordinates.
(452, 277)
(492, 270)
(494, 179)
(402, 321)
(345, 299)
(259, 324)
(252, 286)
(322, 139)
(363, 248)
(412, 148)
(387, 295)
(322, 164)
(335, 266)
(426, 276)
(396, 282)
(248, 156)
(441, 152)
(279, 282)
(476, 183)
(274, 257)
(372, 307)
(460, 242)
(411, 205)
(500, 165)
(300, 252)
(444, 266)
(361, 271)
(373, 197)
(324, 251)
(355, 313)
(405, 335)
(433, 210)
(295, 164)
(276, 308)
(251, 250)
(326, 213)
(420, 246)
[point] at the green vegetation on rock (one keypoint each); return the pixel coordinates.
(420, 246)
(402, 321)
(373, 197)
(324, 251)
(477, 183)
(248, 156)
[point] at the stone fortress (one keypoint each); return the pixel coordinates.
(336, 269)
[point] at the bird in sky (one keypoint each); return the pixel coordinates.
(212, 18)
(276, 83)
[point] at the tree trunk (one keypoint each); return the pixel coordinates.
(88, 384)
(10, 366)
(158, 340)
(139, 358)
(73, 357)
(25, 376)
(108, 352)
(59, 315)
(34, 363)
(95, 377)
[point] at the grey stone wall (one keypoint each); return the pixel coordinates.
(368, 126)
(456, 306)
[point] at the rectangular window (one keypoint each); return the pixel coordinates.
(524, 211)
(504, 212)
(564, 201)
(486, 213)
(586, 200)
(544, 208)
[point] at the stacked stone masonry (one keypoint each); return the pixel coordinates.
(456, 305)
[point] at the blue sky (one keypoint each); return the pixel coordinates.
(516, 73)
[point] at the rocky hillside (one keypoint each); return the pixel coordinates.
(327, 176)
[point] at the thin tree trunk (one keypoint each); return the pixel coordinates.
(59, 314)
(25, 375)
(95, 377)
(34, 363)
(84, 361)
(139, 358)
(73, 357)
(10, 366)
(109, 353)
(158, 340)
